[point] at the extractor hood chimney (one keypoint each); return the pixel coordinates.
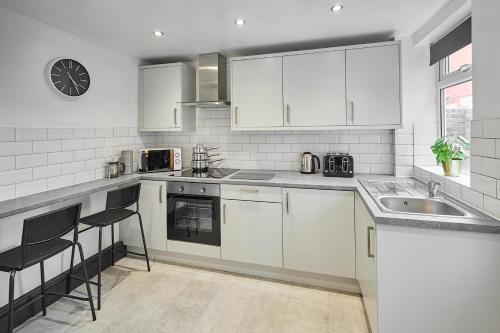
(212, 82)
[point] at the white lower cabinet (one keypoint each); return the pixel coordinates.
(366, 261)
(251, 232)
(318, 231)
(153, 209)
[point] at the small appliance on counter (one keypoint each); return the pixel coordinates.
(127, 158)
(338, 165)
(160, 159)
(114, 169)
(308, 165)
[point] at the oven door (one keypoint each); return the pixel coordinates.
(193, 219)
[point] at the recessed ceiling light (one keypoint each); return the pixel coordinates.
(337, 8)
(240, 22)
(158, 33)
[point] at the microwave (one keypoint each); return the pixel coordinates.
(160, 159)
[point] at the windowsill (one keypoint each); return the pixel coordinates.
(437, 170)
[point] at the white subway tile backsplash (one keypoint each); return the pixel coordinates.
(120, 131)
(491, 167)
(15, 176)
(472, 197)
(7, 134)
(46, 171)
(491, 128)
(83, 177)
(31, 134)
(60, 133)
(58, 182)
(60, 157)
(29, 161)
(484, 184)
(7, 163)
(483, 147)
(492, 206)
(73, 167)
(15, 148)
(81, 155)
(476, 129)
(97, 142)
(76, 144)
(7, 192)
(33, 187)
(46, 146)
(108, 132)
(84, 133)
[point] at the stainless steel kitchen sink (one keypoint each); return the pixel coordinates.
(425, 206)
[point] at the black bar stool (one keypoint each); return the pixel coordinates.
(42, 240)
(117, 202)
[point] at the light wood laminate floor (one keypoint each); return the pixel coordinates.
(174, 298)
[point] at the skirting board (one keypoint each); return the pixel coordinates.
(58, 284)
(281, 274)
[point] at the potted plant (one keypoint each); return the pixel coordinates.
(450, 151)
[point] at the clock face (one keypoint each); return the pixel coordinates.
(69, 77)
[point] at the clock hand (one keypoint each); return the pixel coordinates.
(73, 81)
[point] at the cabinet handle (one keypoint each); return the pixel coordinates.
(248, 190)
(224, 213)
(352, 113)
(236, 115)
(369, 232)
(286, 202)
(288, 113)
(161, 194)
(175, 117)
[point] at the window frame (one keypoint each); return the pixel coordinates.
(446, 80)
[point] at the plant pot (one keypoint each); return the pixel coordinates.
(452, 168)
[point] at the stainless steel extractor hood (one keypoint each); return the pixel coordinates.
(212, 82)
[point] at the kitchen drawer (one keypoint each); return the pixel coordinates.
(252, 193)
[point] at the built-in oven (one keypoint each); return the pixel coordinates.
(193, 212)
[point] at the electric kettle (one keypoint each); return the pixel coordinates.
(308, 163)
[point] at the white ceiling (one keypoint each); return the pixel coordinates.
(193, 27)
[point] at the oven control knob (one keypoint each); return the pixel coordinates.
(180, 188)
(203, 189)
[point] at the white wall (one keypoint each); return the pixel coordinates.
(419, 109)
(485, 55)
(27, 45)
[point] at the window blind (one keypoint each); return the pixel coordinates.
(456, 39)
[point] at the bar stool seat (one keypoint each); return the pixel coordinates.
(104, 218)
(42, 238)
(117, 209)
(13, 258)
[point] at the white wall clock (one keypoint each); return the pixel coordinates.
(68, 77)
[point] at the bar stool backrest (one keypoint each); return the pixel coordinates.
(50, 226)
(123, 197)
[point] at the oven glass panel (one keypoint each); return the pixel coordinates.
(194, 219)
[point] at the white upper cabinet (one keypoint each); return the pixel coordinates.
(347, 87)
(314, 89)
(373, 86)
(257, 93)
(161, 89)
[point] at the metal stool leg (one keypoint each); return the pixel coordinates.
(144, 241)
(99, 260)
(11, 301)
(87, 283)
(42, 279)
(68, 287)
(112, 244)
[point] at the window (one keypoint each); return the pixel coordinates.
(455, 91)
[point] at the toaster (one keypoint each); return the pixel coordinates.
(338, 165)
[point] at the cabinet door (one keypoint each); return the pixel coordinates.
(373, 86)
(153, 209)
(366, 261)
(251, 232)
(256, 94)
(161, 93)
(314, 89)
(318, 231)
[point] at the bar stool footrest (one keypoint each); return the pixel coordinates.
(69, 296)
(83, 280)
(130, 252)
